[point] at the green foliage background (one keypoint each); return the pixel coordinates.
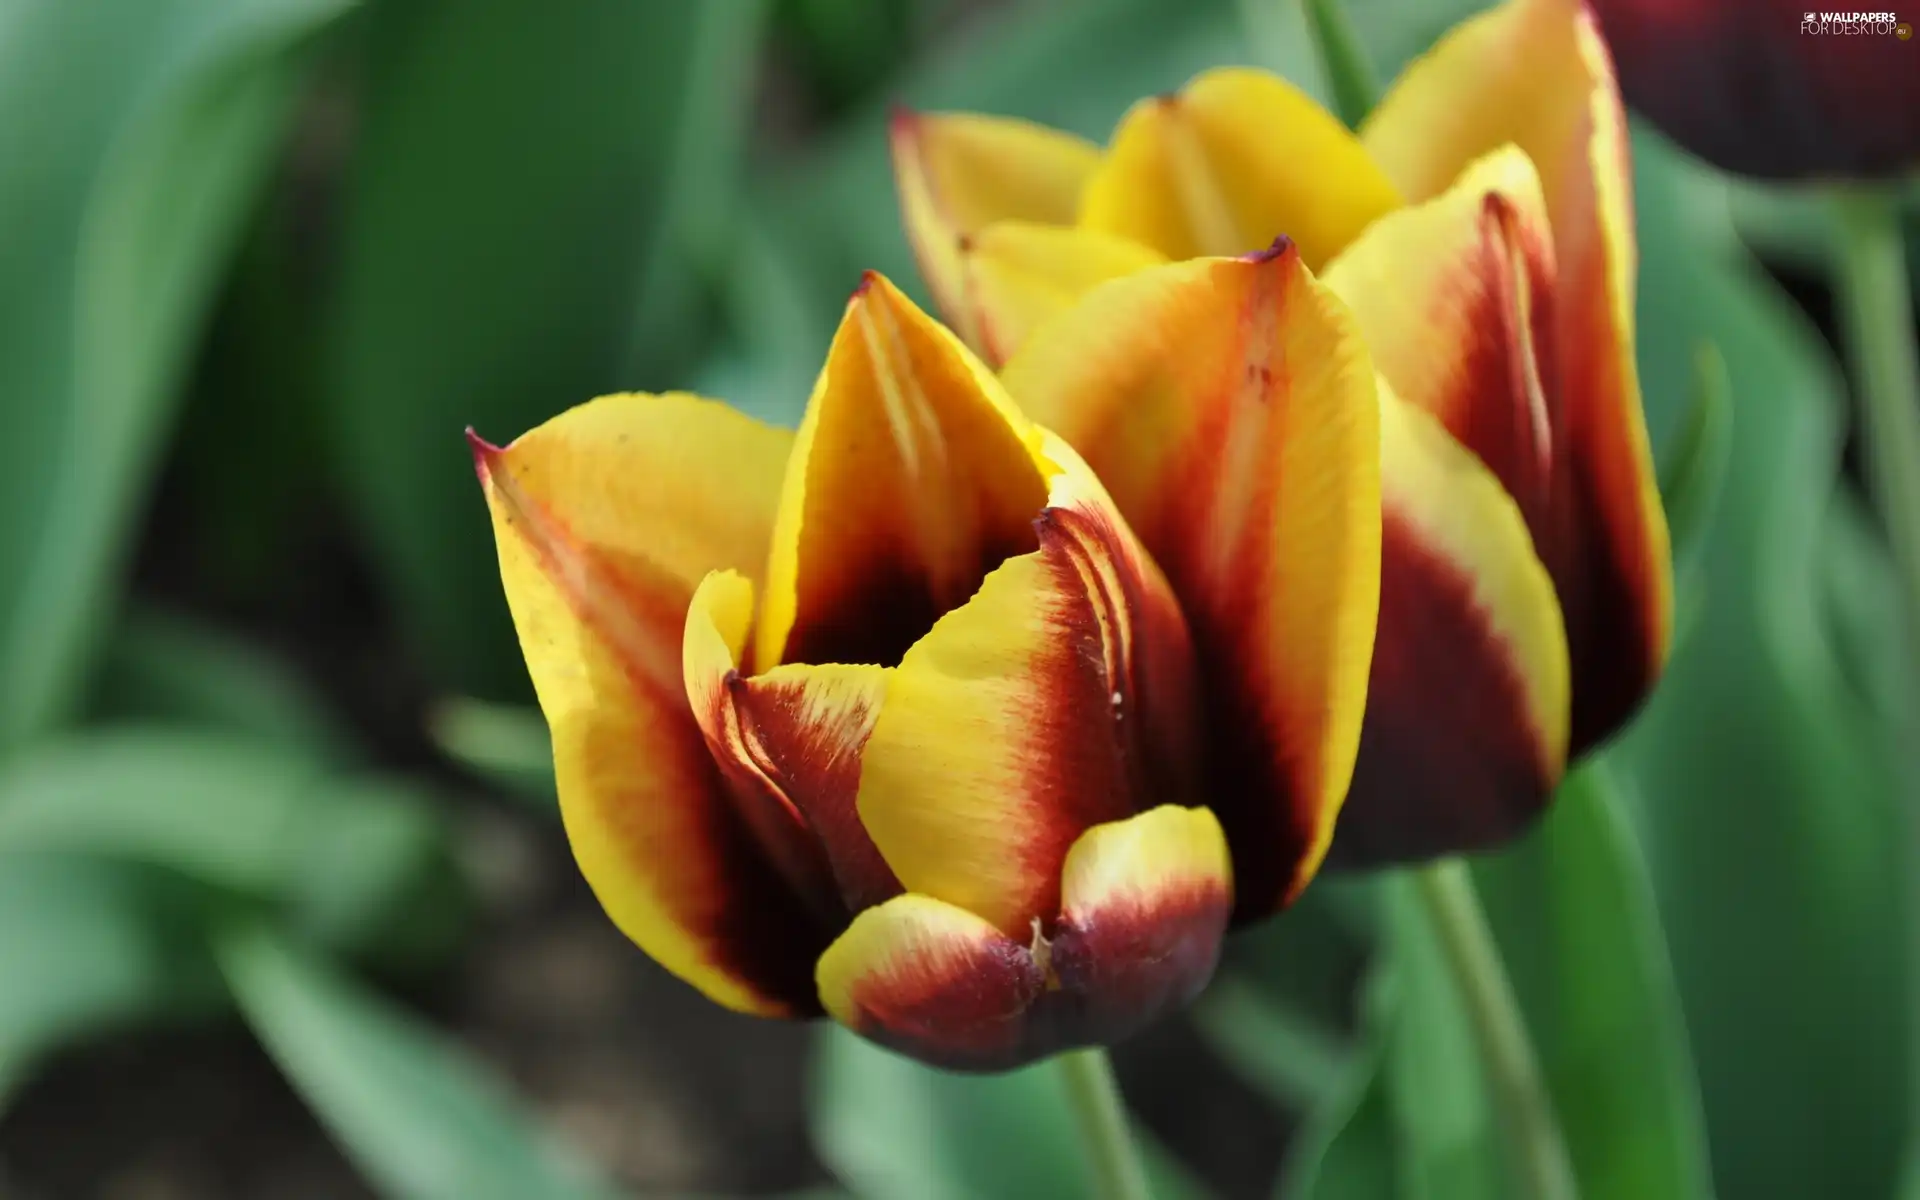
(278, 253)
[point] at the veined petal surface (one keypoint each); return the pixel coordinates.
(606, 518)
(1229, 407)
(1146, 903)
(909, 481)
(958, 173)
(1060, 697)
(1230, 162)
(1536, 73)
(1467, 706)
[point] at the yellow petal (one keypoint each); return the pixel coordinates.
(1229, 407)
(1019, 275)
(1147, 902)
(1058, 698)
(605, 518)
(788, 743)
(908, 482)
(1536, 73)
(958, 173)
(1467, 706)
(1230, 162)
(1455, 299)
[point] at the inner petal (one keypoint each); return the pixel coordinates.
(908, 482)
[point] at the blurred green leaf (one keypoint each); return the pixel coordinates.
(1862, 601)
(134, 136)
(1286, 1054)
(1574, 913)
(161, 665)
(1352, 83)
(506, 744)
(360, 862)
(87, 945)
(1694, 471)
(1279, 1010)
(1346, 1148)
(1765, 783)
(889, 1127)
(533, 188)
(420, 1119)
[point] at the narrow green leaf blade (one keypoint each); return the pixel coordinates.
(419, 1118)
(133, 136)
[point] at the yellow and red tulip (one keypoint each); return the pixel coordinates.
(894, 719)
(1479, 228)
(1756, 87)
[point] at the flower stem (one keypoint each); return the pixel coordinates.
(1876, 317)
(1525, 1110)
(1094, 1095)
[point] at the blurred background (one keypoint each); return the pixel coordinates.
(285, 909)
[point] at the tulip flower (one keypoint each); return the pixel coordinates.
(893, 719)
(1765, 88)
(1480, 229)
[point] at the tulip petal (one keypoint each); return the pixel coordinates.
(1536, 73)
(1058, 698)
(958, 173)
(605, 517)
(1019, 275)
(788, 743)
(1747, 86)
(1233, 160)
(1229, 406)
(909, 481)
(1147, 902)
(1466, 728)
(1455, 299)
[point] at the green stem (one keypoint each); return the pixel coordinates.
(1525, 1110)
(1876, 317)
(1876, 321)
(1094, 1095)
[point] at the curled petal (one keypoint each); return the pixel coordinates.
(1019, 275)
(1466, 729)
(1536, 73)
(1058, 698)
(909, 481)
(1455, 299)
(1229, 407)
(605, 518)
(788, 743)
(1146, 904)
(1228, 163)
(958, 173)
(1748, 86)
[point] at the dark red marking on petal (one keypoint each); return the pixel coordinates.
(1103, 976)
(740, 900)
(875, 616)
(967, 1008)
(1448, 762)
(1503, 402)
(1125, 965)
(816, 768)
(484, 453)
(1282, 246)
(1738, 83)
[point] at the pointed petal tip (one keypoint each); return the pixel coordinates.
(1281, 248)
(484, 453)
